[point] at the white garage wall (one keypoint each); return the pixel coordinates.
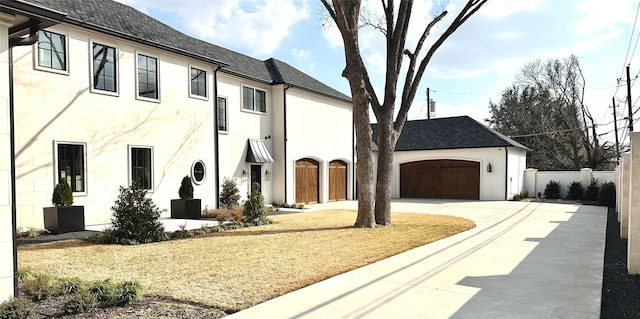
(492, 185)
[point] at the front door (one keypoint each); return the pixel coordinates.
(256, 174)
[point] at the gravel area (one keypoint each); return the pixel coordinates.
(620, 291)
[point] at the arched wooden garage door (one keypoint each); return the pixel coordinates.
(337, 180)
(450, 179)
(307, 181)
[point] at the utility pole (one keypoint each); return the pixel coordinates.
(428, 105)
(629, 100)
(615, 130)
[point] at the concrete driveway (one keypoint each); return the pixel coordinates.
(523, 260)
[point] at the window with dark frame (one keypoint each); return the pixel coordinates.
(52, 50)
(71, 165)
(222, 114)
(147, 77)
(254, 99)
(141, 170)
(104, 68)
(198, 82)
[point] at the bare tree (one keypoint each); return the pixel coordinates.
(545, 111)
(376, 208)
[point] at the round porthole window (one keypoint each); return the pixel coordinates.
(198, 172)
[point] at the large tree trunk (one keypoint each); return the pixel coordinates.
(366, 199)
(387, 138)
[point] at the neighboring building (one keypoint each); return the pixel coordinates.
(456, 158)
(108, 95)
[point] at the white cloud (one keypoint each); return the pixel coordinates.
(498, 9)
(332, 35)
(300, 54)
(257, 25)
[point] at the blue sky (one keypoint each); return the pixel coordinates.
(473, 67)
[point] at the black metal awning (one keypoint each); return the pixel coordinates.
(257, 152)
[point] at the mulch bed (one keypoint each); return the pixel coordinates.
(620, 291)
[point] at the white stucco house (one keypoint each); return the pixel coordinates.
(456, 158)
(104, 95)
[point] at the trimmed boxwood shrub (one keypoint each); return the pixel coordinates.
(607, 194)
(552, 191)
(591, 194)
(186, 188)
(575, 191)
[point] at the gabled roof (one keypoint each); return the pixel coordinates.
(125, 22)
(449, 133)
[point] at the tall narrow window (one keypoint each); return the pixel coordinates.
(254, 99)
(104, 68)
(147, 77)
(71, 165)
(222, 114)
(198, 82)
(52, 50)
(141, 166)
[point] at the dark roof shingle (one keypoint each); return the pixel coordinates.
(449, 133)
(126, 22)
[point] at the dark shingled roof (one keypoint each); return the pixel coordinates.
(449, 133)
(126, 22)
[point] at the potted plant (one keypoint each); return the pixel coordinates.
(186, 206)
(63, 217)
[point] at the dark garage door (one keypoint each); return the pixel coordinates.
(306, 181)
(337, 180)
(449, 179)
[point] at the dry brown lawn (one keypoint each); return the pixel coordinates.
(236, 269)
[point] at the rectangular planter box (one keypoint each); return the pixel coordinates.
(59, 220)
(186, 208)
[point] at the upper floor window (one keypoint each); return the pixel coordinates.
(254, 99)
(71, 165)
(147, 77)
(222, 114)
(198, 83)
(104, 68)
(52, 50)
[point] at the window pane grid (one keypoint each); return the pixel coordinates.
(254, 99)
(52, 50)
(147, 77)
(198, 82)
(141, 167)
(71, 165)
(104, 68)
(222, 114)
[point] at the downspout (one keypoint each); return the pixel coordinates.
(31, 39)
(216, 148)
(284, 107)
(506, 173)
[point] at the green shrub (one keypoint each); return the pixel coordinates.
(186, 188)
(300, 206)
(71, 286)
(575, 191)
(124, 293)
(607, 194)
(552, 190)
(41, 288)
(16, 308)
(24, 275)
(62, 194)
(592, 191)
(254, 206)
(229, 195)
(135, 217)
(80, 302)
(520, 196)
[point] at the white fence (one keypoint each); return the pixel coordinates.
(536, 181)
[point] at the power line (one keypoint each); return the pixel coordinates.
(630, 40)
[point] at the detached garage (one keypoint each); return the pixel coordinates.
(456, 158)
